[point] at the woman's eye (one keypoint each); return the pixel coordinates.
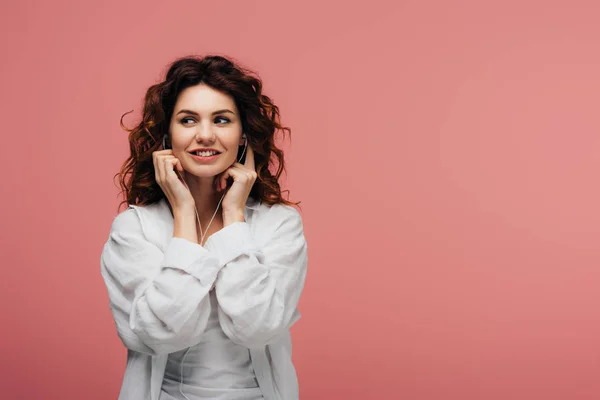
(188, 120)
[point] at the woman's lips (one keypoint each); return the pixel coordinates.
(204, 159)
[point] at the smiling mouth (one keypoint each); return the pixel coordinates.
(209, 157)
(205, 153)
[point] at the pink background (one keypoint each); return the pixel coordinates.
(446, 155)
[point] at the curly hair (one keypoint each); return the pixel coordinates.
(259, 115)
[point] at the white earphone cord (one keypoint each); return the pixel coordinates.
(202, 235)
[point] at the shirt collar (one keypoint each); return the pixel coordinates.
(252, 203)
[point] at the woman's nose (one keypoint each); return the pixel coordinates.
(204, 132)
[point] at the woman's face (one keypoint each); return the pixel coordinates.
(205, 118)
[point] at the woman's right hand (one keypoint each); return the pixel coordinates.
(177, 193)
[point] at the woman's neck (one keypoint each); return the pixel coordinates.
(205, 196)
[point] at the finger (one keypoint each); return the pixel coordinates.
(223, 179)
(160, 169)
(159, 166)
(156, 169)
(155, 161)
(169, 168)
(217, 182)
(174, 166)
(242, 174)
(250, 173)
(178, 165)
(235, 172)
(180, 170)
(249, 162)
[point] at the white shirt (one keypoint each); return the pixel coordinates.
(214, 369)
(158, 287)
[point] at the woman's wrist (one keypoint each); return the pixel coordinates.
(185, 225)
(231, 217)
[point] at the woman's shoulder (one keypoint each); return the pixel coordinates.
(135, 212)
(143, 220)
(278, 211)
(280, 218)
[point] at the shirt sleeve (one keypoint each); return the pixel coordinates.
(258, 289)
(159, 301)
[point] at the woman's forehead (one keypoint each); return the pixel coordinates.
(203, 99)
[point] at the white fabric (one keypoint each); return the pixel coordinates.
(214, 369)
(158, 288)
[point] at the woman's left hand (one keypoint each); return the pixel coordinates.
(244, 176)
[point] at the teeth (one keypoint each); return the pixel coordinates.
(206, 153)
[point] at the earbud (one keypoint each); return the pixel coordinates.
(245, 147)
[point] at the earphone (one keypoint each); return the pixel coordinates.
(202, 235)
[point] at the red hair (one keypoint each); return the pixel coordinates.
(260, 122)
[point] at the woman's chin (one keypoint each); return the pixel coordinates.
(203, 172)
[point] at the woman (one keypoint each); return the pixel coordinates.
(205, 267)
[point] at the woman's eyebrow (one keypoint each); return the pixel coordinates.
(214, 113)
